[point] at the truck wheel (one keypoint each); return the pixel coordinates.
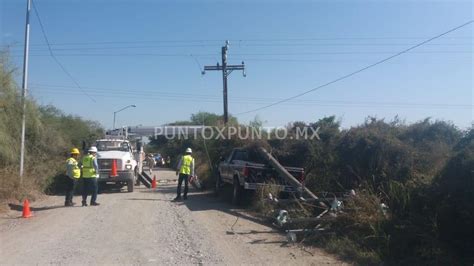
(237, 192)
(130, 186)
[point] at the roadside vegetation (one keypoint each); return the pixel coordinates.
(422, 171)
(50, 134)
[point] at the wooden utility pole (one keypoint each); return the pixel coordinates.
(226, 70)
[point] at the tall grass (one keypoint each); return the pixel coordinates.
(50, 134)
(422, 171)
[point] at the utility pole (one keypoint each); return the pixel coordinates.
(226, 70)
(25, 88)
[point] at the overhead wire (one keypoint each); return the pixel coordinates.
(108, 48)
(256, 100)
(321, 105)
(274, 56)
(54, 57)
(197, 62)
(240, 41)
(168, 92)
(359, 70)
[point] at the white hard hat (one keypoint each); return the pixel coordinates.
(188, 150)
(92, 149)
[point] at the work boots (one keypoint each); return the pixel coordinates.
(84, 203)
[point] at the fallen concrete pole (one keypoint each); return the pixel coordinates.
(283, 172)
(145, 179)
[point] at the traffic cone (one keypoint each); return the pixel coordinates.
(113, 171)
(153, 183)
(26, 209)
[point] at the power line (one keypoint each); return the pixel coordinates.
(160, 92)
(247, 45)
(253, 100)
(211, 56)
(130, 54)
(360, 70)
(54, 87)
(289, 60)
(282, 54)
(320, 104)
(54, 57)
(197, 62)
(137, 92)
(247, 40)
(349, 53)
(343, 38)
(350, 44)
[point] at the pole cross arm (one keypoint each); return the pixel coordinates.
(231, 68)
(236, 67)
(212, 68)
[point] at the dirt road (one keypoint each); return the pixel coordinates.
(145, 227)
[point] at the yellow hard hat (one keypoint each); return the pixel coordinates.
(75, 151)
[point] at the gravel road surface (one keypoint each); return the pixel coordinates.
(146, 227)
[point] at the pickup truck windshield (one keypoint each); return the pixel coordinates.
(113, 146)
(240, 155)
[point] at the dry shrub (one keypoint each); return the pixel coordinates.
(364, 209)
(358, 232)
(261, 204)
(391, 162)
(454, 197)
(14, 191)
(203, 170)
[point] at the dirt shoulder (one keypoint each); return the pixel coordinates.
(146, 227)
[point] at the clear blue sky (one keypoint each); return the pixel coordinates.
(139, 52)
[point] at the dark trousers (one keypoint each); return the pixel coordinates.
(89, 186)
(180, 182)
(70, 186)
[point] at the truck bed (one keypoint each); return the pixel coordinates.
(252, 175)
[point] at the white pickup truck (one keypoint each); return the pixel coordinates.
(121, 151)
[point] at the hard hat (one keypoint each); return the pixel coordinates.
(75, 151)
(188, 150)
(92, 149)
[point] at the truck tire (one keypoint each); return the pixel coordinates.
(130, 186)
(237, 192)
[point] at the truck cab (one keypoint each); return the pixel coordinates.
(247, 170)
(120, 151)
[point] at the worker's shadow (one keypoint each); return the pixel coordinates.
(16, 207)
(202, 201)
(148, 199)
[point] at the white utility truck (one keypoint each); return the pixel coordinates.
(120, 150)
